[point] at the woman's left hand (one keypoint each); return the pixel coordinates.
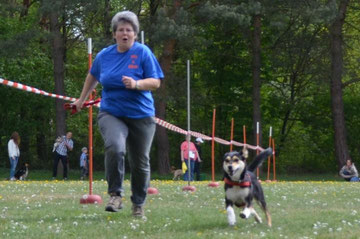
(129, 82)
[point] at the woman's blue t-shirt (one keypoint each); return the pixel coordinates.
(110, 66)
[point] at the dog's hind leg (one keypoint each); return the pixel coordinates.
(257, 217)
(263, 206)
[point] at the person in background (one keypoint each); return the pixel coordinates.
(128, 71)
(349, 172)
(14, 153)
(84, 164)
(197, 167)
(61, 153)
(189, 155)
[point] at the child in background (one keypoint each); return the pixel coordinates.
(84, 163)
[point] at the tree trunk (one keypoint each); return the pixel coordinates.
(107, 20)
(337, 106)
(162, 140)
(58, 55)
(256, 71)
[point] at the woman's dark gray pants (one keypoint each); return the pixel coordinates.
(134, 135)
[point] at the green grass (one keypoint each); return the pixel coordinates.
(74, 174)
(299, 209)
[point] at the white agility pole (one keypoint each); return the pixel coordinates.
(142, 38)
(188, 135)
(150, 190)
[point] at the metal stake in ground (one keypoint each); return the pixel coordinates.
(188, 136)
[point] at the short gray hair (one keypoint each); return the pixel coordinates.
(125, 16)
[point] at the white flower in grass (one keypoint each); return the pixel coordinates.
(339, 229)
(330, 229)
(354, 212)
(75, 223)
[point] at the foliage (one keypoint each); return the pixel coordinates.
(215, 36)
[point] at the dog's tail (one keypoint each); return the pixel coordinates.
(259, 159)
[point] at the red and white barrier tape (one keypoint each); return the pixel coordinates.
(157, 120)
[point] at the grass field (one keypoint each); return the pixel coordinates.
(299, 209)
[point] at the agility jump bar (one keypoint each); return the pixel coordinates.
(158, 121)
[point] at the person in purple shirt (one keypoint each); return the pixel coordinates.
(128, 71)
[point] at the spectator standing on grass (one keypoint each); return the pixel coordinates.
(84, 163)
(14, 153)
(197, 166)
(189, 155)
(128, 71)
(61, 154)
(349, 172)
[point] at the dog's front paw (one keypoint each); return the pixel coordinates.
(245, 214)
(231, 216)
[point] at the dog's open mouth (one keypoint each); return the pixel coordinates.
(231, 172)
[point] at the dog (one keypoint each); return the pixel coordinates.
(23, 172)
(57, 143)
(242, 186)
(177, 173)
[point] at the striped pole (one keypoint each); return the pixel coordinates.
(188, 135)
(158, 121)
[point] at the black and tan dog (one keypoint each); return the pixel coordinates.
(22, 173)
(242, 186)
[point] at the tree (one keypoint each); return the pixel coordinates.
(337, 105)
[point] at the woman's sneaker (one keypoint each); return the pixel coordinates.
(137, 211)
(114, 204)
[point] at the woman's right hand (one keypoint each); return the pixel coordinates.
(78, 104)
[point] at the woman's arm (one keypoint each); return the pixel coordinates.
(356, 174)
(89, 85)
(144, 84)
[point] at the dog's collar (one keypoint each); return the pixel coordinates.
(243, 184)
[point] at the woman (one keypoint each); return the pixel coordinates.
(14, 153)
(128, 72)
(349, 172)
(188, 151)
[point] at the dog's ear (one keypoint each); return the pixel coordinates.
(245, 153)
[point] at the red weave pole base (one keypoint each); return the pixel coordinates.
(90, 199)
(189, 188)
(152, 190)
(214, 184)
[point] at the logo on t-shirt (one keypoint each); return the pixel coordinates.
(133, 63)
